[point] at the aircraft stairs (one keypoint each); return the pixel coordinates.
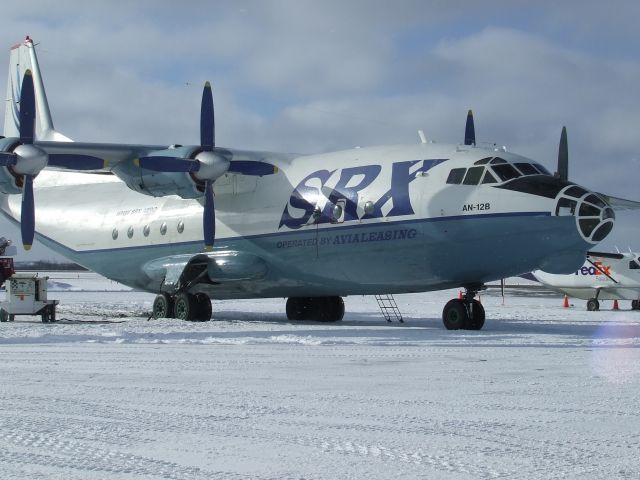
(389, 308)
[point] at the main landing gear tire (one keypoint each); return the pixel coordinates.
(183, 306)
(319, 309)
(163, 306)
(635, 304)
(4, 316)
(465, 313)
(593, 305)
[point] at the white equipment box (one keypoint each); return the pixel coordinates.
(27, 295)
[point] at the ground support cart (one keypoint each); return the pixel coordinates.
(27, 295)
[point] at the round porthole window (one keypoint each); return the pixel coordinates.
(180, 226)
(114, 233)
(163, 228)
(146, 230)
(130, 232)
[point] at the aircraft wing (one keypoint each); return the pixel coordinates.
(109, 157)
(182, 272)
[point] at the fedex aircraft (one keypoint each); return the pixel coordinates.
(195, 222)
(604, 276)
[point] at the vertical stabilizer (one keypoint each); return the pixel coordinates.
(23, 58)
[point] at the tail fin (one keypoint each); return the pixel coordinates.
(23, 58)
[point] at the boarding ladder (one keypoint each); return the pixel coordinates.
(389, 308)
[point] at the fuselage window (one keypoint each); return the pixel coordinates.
(456, 175)
(505, 172)
(489, 178)
(482, 161)
(498, 160)
(473, 176)
(527, 168)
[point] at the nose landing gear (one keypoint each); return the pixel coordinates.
(464, 313)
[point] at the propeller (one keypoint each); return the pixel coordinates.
(469, 130)
(207, 165)
(27, 160)
(563, 157)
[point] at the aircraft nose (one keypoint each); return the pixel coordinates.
(594, 217)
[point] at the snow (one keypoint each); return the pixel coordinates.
(541, 392)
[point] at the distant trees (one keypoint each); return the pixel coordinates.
(49, 265)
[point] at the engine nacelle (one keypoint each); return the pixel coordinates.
(161, 184)
(10, 182)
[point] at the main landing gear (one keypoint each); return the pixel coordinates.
(464, 313)
(183, 306)
(319, 309)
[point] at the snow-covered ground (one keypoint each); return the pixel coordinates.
(541, 392)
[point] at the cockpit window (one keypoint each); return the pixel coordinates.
(488, 177)
(505, 172)
(482, 161)
(498, 160)
(527, 168)
(456, 175)
(473, 176)
(633, 265)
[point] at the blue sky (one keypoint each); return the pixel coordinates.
(314, 76)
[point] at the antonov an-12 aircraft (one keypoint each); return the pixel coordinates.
(195, 222)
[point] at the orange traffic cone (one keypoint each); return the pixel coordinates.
(460, 295)
(566, 301)
(615, 305)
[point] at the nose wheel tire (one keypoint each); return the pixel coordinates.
(476, 317)
(593, 305)
(463, 314)
(454, 315)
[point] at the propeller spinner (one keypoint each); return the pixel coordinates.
(28, 160)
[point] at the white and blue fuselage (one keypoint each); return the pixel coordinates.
(389, 219)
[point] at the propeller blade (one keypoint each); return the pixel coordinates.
(470, 130)
(27, 109)
(207, 120)
(249, 167)
(76, 162)
(8, 159)
(169, 164)
(209, 217)
(27, 213)
(563, 157)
